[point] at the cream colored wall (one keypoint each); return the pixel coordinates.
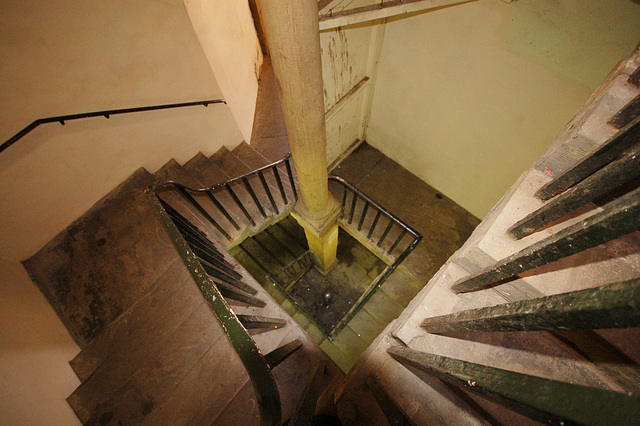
(35, 349)
(468, 97)
(73, 56)
(228, 36)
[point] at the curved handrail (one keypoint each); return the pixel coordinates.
(106, 114)
(264, 384)
(209, 192)
(221, 184)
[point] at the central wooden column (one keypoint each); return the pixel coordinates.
(292, 33)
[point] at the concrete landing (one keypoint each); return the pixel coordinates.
(356, 270)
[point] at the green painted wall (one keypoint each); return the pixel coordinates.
(468, 97)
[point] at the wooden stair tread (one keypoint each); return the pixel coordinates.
(173, 171)
(117, 369)
(205, 170)
(208, 174)
(195, 163)
(156, 379)
(249, 156)
(208, 386)
(229, 163)
(103, 262)
(161, 310)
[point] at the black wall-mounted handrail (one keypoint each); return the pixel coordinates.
(106, 114)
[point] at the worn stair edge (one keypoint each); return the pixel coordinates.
(76, 293)
(139, 316)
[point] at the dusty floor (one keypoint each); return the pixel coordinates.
(328, 298)
(444, 224)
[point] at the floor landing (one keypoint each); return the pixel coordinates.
(444, 225)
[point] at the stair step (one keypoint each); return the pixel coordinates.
(209, 174)
(173, 171)
(254, 160)
(251, 322)
(220, 271)
(250, 264)
(249, 156)
(381, 230)
(217, 205)
(158, 376)
(196, 164)
(231, 293)
(226, 161)
(281, 353)
(242, 409)
(103, 262)
(291, 379)
(206, 388)
(294, 233)
(156, 314)
(277, 245)
(266, 259)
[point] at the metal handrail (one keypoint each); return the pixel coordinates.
(106, 114)
(257, 367)
(209, 191)
(226, 182)
(369, 202)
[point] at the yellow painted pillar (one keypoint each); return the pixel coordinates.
(292, 33)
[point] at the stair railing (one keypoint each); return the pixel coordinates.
(609, 175)
(287, 276)
(244, 179)
(404, 242)
(62, 119)
(257, 366)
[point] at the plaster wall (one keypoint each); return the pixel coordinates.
(349, 55)
(74, 56)
(468, 96)
(35, 349)
(228, 36)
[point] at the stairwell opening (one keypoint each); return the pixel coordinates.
(278, 258)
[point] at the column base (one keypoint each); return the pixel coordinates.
(322, 235)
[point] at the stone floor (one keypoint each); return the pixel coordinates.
(327, 299)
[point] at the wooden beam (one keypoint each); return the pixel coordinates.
(346, 98)
(614, 305)
(381, 10)
(610, 177)
(323, 3)
(627, 114)
(600, 157)
(544, 400)
(620, 217)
